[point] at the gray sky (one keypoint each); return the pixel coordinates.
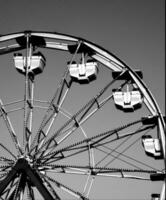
(133, 30)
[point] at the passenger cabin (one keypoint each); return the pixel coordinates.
(152, 146)
(127, 101)
(83, 72)
(36, 63)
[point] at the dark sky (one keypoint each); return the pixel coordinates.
(134, 30)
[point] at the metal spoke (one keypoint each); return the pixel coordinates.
(55, 103)
(10, 128)
(124, 150)
(51, 114)
(28, 114)
(8, 190)
(6, 160)
(101, 137)
(125, 156)
(4, 168)
(99, 171)
(17, 189)
(94, 169)
(130, 135)
(28, 97)
(66, 188)
(61, 152)
(6, 149)
(82, 118)
(51, 189)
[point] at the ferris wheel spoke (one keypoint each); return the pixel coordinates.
(69, 116)
(77, 150)
(18, 188)
(3, 175)
(90, 151)
(67, 189)
(119, 136)
(115, 149)
(6, 181)
(103, 149)
(5, 168)
(94, 141)
(82, 149)
(51, 112)
(113, 156)
(71, 120)
(28, 97)
(6, 149)
(51, 189)
(10, 128)
(88, 185)
(29, 115)
(14, 110)
(100, 171)
(8, 190)
(55, 104)
(61, 154)
(11, 197)
(82, 116)
(129, 146)
(51, 119)
(10, 194)
(125, 176)
(6, 160)
(84, 170)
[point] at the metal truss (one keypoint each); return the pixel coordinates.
(42, 154)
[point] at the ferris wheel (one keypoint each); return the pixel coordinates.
(76, 123)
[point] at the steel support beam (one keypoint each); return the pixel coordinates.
(22, 167)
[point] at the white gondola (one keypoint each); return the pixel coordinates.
(83, 72)
(127, 100)
(151, 146)
(35, 63)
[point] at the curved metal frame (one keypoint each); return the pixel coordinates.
(72, 44)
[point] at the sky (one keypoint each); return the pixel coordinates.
(133, 30)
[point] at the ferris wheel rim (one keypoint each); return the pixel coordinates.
(105, 53)
(121, 64)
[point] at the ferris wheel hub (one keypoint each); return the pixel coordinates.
(25, 159)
